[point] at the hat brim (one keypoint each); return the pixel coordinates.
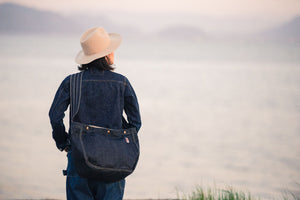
(115, 41)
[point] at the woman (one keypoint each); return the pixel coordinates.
(105, 94)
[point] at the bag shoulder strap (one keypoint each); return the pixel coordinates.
(75, 93)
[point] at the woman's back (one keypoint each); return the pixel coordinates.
(102, 98)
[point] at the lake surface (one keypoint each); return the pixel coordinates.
(214, 113)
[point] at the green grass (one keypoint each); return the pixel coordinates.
(228, 194)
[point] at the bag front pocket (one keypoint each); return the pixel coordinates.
(108, 151)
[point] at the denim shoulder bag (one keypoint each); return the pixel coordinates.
(100, 153)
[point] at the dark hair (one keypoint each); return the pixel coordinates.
(100, 64)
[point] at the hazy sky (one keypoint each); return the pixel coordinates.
(241, 15)
(206, 7)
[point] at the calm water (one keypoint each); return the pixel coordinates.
(213, 113)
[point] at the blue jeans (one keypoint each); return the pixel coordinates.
(84, 189)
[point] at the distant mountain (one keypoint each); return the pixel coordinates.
(19, 19)
(182, 32)
(289, 31)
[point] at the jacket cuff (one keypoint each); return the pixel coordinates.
(63, 146)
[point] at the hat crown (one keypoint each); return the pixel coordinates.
(94, 40)
(97, 43)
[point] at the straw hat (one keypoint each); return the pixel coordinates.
(97, 43)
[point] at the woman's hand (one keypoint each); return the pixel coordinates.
(67, 149)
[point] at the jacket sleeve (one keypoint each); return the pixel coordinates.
(57, 113)
(131, 106)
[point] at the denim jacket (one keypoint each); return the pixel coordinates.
(104, 97)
